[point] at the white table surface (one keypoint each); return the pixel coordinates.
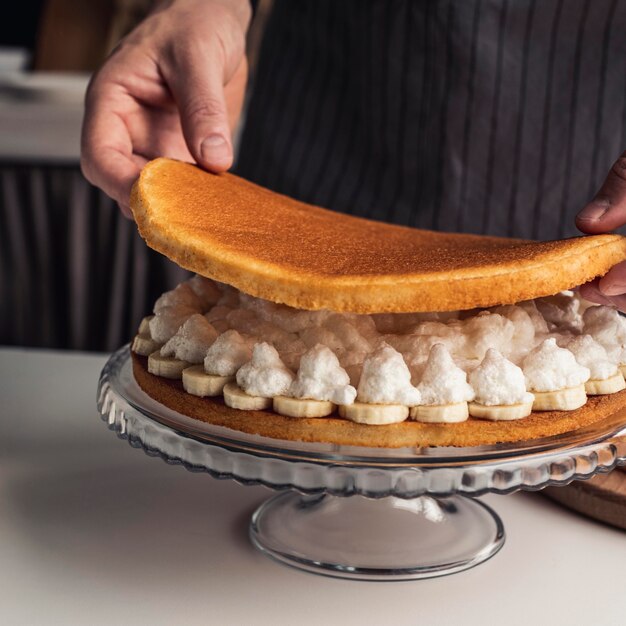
(95, 532)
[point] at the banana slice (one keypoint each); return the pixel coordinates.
(144, 345)
(144, 325)
(601, 387)
(500, 412)
(238, 399)
(198, 383)
(374, 414)
(166, 366)
(560, 400)
(299, 407)
(440, 414)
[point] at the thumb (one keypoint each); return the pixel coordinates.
(197, 86)
(607, 210)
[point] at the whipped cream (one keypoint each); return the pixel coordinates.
(442, 381)
(289, 345)
(561, 310)
(524, 330)
(227, 354)
(321, 377)
(549, 368)
(487, 330)
(167, 320)
(393, 323)
(206, 289)
(498, 382)
(408, 358)
(589, 353)
(541, 326)
(416, 348)
(617, 354)
(172, 308)
(265, 374)
(386, 379)
(285, 317)
(348, 328)
(605, 325)
(182, 295)
(192, 340)
(218, 312)
(312, 336)
(291, 358)
(230, 297)
(342, 336)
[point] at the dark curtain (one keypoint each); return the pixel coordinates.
(73, 272)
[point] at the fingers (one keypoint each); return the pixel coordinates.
(125, 206)
(155, 133)
(607, 210)
(234, 93)
(197, 86)
(593, 292)
(590, 291)
(106, 148)
(613, 283)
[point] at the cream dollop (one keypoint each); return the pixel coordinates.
(487, 330)
(442, 381)
(265, 374)
(617, 354)
(591, 354)
(167, 320)
(605, 325)
(206, 289)
(561, 310)
(386, 379)
(347, 329)
(541, 326)
(285, 317)
(524, 331)
(321, 377)
(182, 295)
(192, 340)
(549, 368)
(497, 381)
(227, 354)
(416, 348)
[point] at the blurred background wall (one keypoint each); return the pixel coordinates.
(73, 272)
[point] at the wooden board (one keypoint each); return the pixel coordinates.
(602, 497)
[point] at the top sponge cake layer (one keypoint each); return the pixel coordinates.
(274, 247)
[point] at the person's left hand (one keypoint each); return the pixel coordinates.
(606, 212)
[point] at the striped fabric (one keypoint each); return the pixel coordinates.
(482, 116)
(74, 273)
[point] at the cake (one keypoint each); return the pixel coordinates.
(304, 324)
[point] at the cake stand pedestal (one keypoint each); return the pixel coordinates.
(412, 513)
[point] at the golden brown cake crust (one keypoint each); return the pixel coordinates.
(471, 433)
(274, 247)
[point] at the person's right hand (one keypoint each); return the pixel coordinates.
(173, 87)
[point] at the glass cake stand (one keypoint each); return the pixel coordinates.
(413, 514)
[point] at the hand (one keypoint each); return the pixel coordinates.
(173, 87)
(606, 212)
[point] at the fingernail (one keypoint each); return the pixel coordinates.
(215, 148)
(594, 210)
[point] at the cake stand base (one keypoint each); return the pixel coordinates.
(384, 539)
